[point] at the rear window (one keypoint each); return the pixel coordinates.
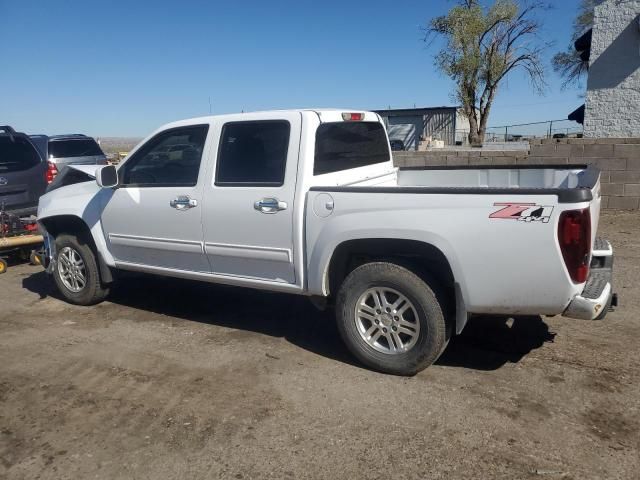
(17, 155)
(345, 145)
(74, 148)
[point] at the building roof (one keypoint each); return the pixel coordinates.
(583, 45)
(577, 115)
(415, 109)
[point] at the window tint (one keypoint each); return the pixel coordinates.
(171, 158)
(17, 155)
(345, 145)
(74, 148)
(253, 153)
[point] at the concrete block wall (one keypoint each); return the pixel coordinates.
(613, 85)
(617, 158)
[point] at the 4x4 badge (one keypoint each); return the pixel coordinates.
(524, 212)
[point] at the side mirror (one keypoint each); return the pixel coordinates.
(107, 176)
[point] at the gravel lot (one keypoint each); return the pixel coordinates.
(175, 379)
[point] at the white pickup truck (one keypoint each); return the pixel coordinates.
(308, 202)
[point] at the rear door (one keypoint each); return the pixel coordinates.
(22, 173)
(248, 210)
(154, 216)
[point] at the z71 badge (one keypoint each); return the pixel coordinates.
(523, 212)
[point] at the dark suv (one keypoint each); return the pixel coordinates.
(23, 173)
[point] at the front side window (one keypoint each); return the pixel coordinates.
(345, 145)
(253, 153)
(171, 158)
(74, 148)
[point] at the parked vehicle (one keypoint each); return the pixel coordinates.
(309, 202)
(62, 150)
(22, 173)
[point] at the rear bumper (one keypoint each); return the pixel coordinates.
(597, 297)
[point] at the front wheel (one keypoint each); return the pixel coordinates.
(76, 271)
(390, 319)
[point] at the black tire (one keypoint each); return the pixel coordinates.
(93, 291)
(433, 334)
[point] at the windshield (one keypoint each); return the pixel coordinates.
(74, 148)
(345, 145)
(17, 155)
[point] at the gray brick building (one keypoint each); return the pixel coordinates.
(612, 107)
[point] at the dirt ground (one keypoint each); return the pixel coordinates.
(175, 379)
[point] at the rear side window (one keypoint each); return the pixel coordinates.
(17, 155)
(253, 153)
(74, 148)
(345, 145)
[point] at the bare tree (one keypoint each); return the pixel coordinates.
(570, 64)
(483, 46)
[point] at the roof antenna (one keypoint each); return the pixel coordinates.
(209, 104)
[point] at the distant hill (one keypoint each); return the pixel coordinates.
(112, 145)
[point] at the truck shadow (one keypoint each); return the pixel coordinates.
(487, 343)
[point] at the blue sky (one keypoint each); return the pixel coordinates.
(116, 68)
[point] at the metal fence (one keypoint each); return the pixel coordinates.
(526, 131)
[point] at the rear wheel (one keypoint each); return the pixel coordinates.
(3, 265)
(76, 272)
(391, 319)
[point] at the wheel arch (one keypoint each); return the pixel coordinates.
(66, 224)
(423, 258)
(72, 224)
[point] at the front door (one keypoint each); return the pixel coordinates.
(154, 217)
(248, 211)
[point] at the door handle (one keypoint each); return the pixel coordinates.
(270, 205)
(183, 202)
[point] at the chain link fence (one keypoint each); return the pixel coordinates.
(526, 131)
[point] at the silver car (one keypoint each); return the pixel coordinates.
(77, 149)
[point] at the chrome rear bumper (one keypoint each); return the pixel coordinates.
(597, 297)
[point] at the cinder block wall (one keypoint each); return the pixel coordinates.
(613, 85)
(617, 158)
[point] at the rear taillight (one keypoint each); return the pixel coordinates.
(574, 236)
(51, 172)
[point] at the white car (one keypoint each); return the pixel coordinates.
(308, 202)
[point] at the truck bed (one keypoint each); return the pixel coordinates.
(570, 183)
(503, 266)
